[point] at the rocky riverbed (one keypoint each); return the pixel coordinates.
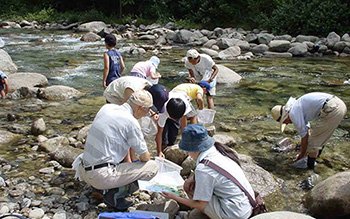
(45, 120)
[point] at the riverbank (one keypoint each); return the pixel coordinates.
(242, 113)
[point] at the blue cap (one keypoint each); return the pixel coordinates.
(160, 96)
(195, 138)
(205, 84)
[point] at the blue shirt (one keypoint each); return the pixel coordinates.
(114, 66)
(307, 108)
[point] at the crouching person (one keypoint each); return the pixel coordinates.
(214, 194)
(114, 130)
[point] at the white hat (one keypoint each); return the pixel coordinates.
(141, 98)
(192, 53)
(279, 114)
(155, 61)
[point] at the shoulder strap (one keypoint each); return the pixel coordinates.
(232, 178)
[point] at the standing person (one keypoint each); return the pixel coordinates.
(3, 85)
(146, 69)
(328, 109)
(210, 191)
(113, 61)
(202, 67)
(114, 131)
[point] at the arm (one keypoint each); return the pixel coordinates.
(122, 65)
(127, 94)
(183, 123)
(303, 147)
(188, 202)
(193, 80)
(216, 70)
(200, 102)
(159, 141)
(105, 70)
(145, 157)
(6, 87)
(154, 75)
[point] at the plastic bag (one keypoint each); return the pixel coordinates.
(148, 126)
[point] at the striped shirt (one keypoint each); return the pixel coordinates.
(113, 131)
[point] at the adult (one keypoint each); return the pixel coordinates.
(328, 109)
(210, 191)
(202, 67)
(146, 69)
(114, 130)
(3, 85)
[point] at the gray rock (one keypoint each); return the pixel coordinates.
(38, 127)
(225, 139)
(211, 130)
(209, 52)
(6, 64)
(282, 214)
(36, 203)
(298, 50)
(188, 165)
(19, 80)
(184, 36)
(4, 210)
(60, 215)
(251, 38)
(230, 52)
(36, 213)
(7, 137)
(41, 138)
(170, 25)
(322, 49)
(170, 207)
(60, 150)
(24, 23)
(2, 182)
(175, 154)
(161, 40)
(94, 26)
(244, 45)
(302, 38)
(147, 37)
(206, 32)
(259, 49)
(227, 76)
(261, 180)
(104, 32)
(90, 37)
(278, 54)
(58, 92)
(265, 38)
(170, 35)
(83, 133)
(340, 46)
(82, 206)
(331, 197)
(279, 45)
(346, 50)
(346, 37)
(55, 191)
(283, 37)
(197, 214)
(209, 43)
(332, 39)
(224, 43)
(26, 203)
(47, 170)
(138, 51)
(24, 92)
(218, 31)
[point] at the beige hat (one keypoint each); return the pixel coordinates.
(280, 114)
(192, 53)
(141, 98)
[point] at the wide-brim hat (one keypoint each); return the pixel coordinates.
(280, 114)
(195, 138)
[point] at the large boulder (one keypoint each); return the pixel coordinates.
(251, 38)
(230, 52)
(283, 37)
(83, 133)
(175, 154)
(7, 137)
(58, 92)
(6, 64)
(19, 80)
(282, 214)
(261, 180)
(24, 92)
(225, 139)
(94, 26)
(279, 45)
(227, 76)
(278, 54)
(38, 127)
(210, 52)
(188, 165)
(184, 36)
(340, 46)
(265, 38)
(259, 49)
(299, 50)
(147, 37)
(331, 197)
(209, 43)
(244, 45)
(170, 35)
(224, 43)
(90, 37)
(58, 148)
(346, 37)
(332, 39)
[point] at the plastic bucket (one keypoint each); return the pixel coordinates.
(205, 116)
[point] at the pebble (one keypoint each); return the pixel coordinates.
(2, 182)
(31, 178)
(26, 203)
(4, 210)
(82, 206)
(36, 203)
(47, 170)
(145, 196)
(36, 213)
(6, 168)
(60, 215)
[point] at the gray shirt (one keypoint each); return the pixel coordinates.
(226, 199)
(307, 108)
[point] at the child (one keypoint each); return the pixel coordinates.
(147, 69)
(3, 85)
(113, 61)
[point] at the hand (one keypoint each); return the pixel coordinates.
(192, 80)
(104, 85)
(169, 195)
(159, 76)
(160, 154)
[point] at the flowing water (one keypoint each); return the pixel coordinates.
(243, 110)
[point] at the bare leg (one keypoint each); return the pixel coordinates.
(193, 120)
(210, 101)
(2, 94)
(127, 158)
(313, 154)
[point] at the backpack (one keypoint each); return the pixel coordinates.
(258, 205)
